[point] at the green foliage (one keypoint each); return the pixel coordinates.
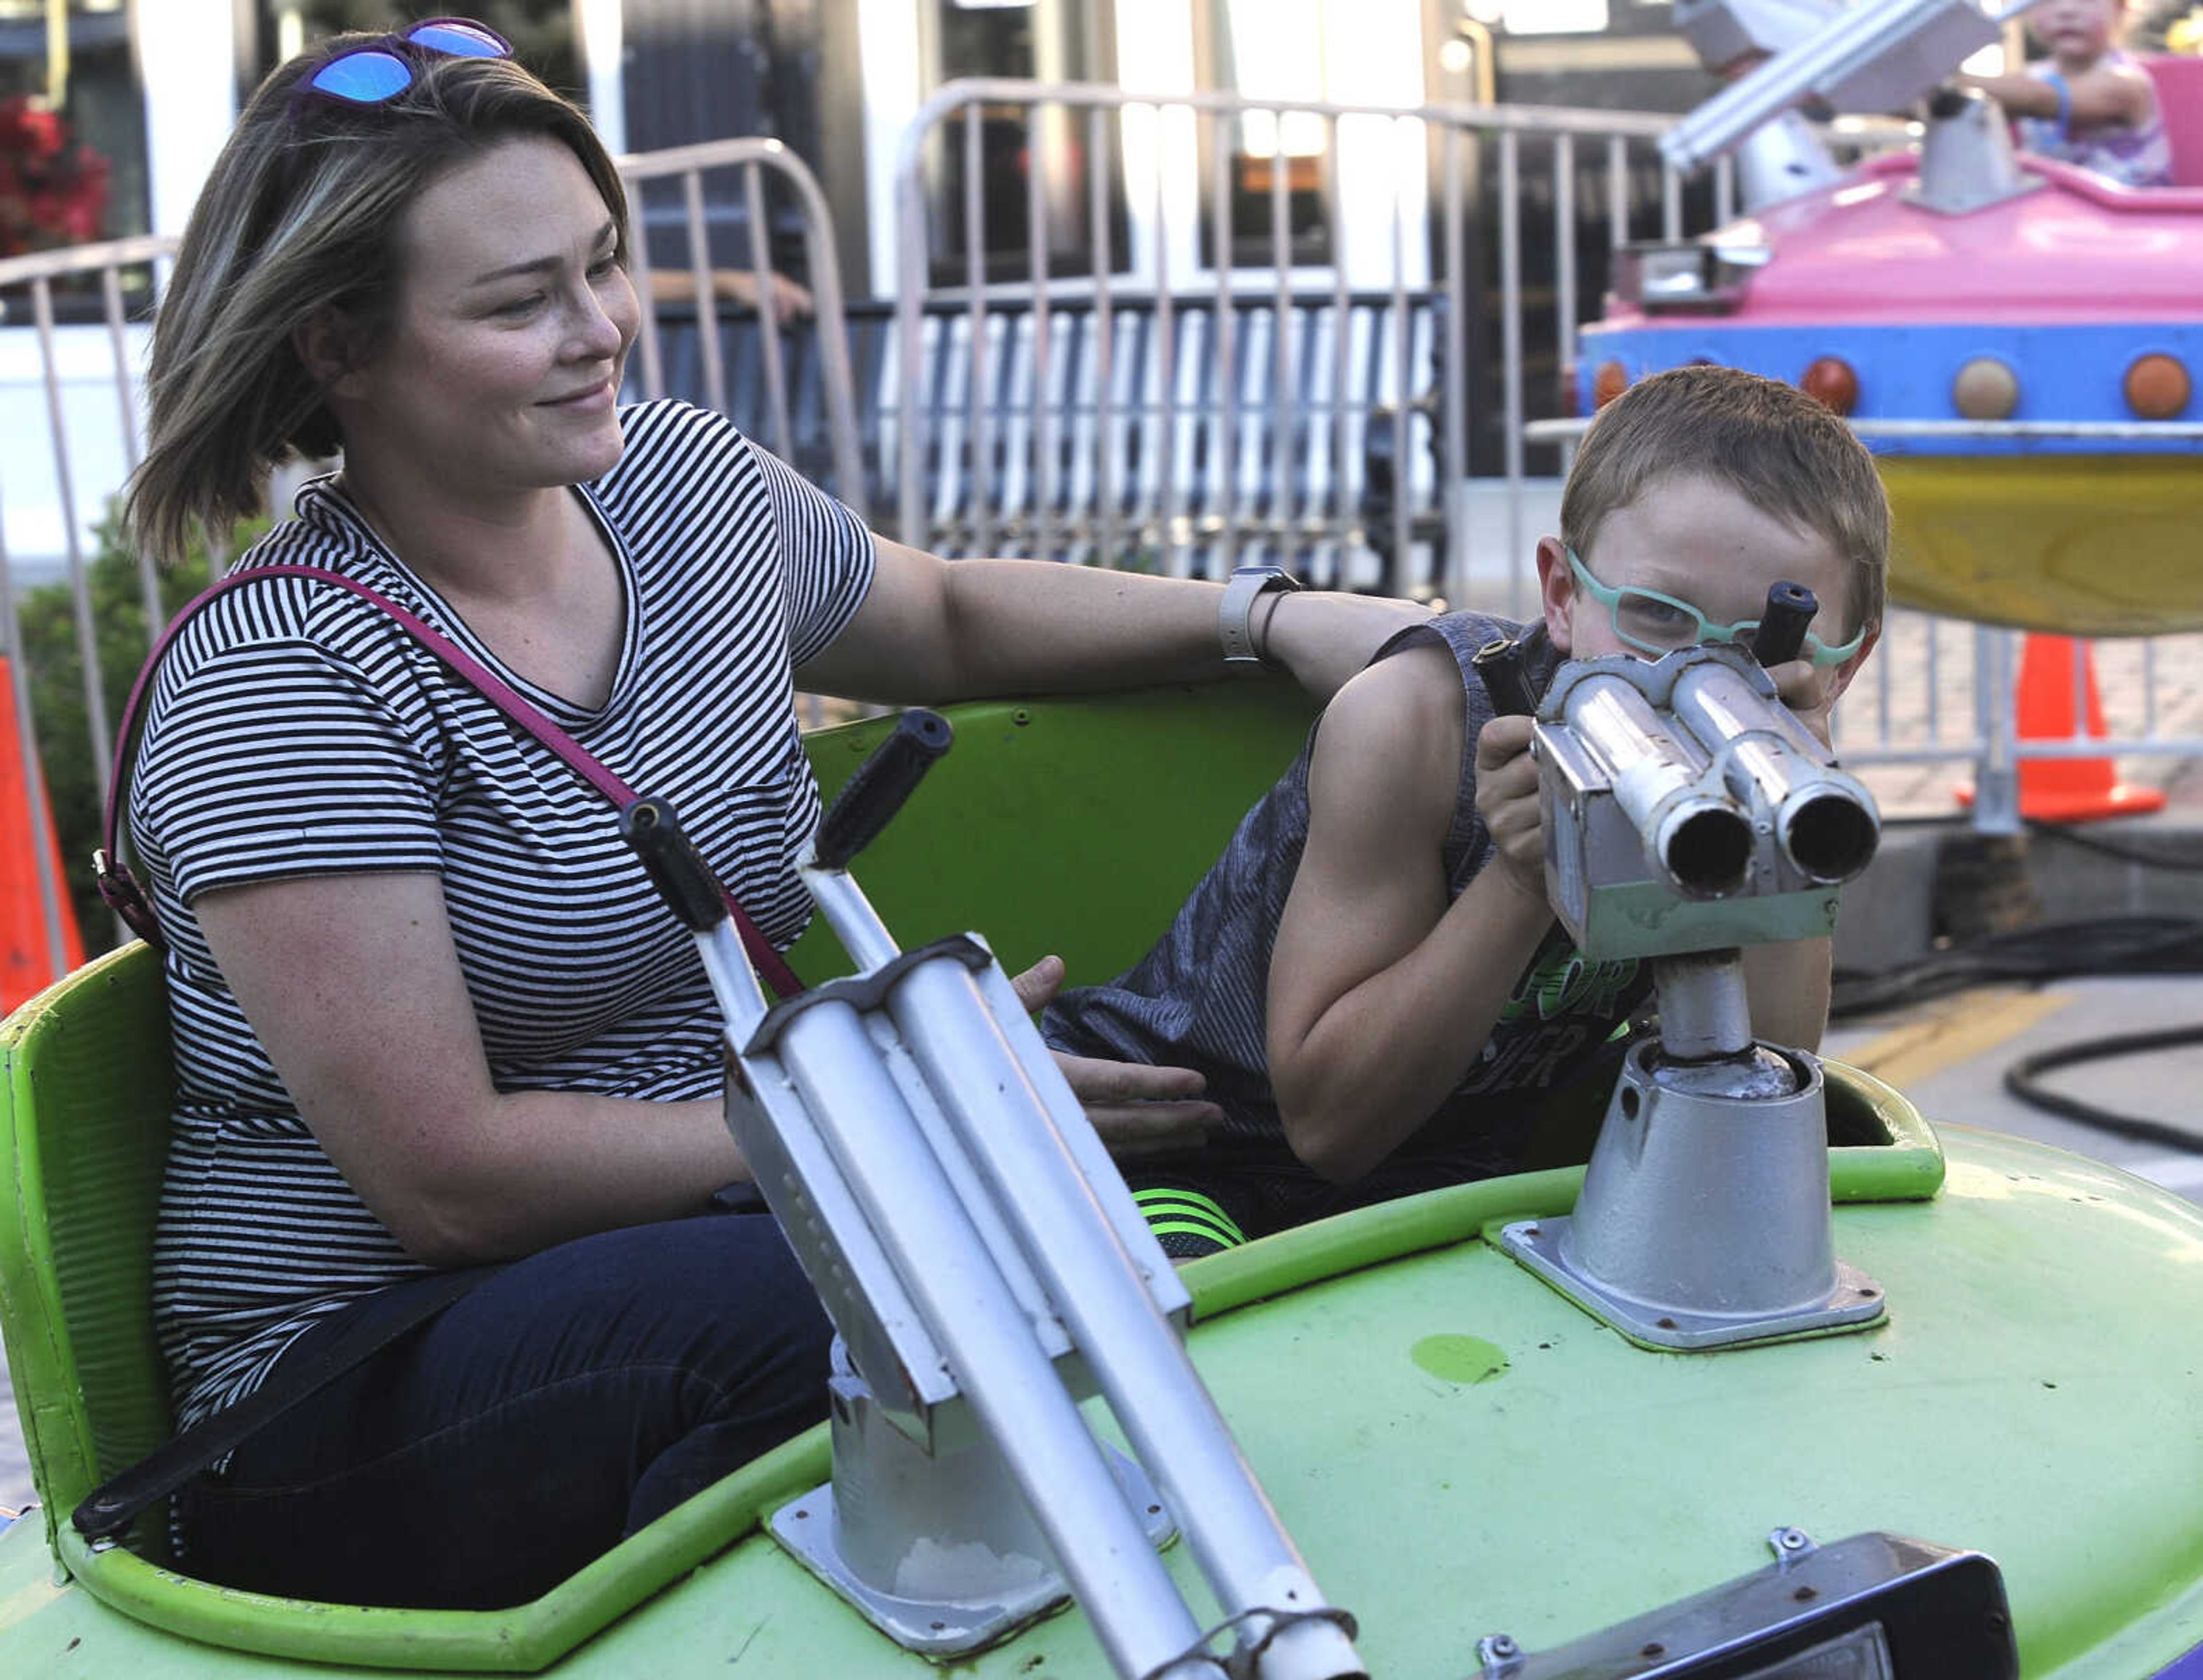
(53, 659)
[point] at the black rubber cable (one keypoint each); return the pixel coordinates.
(2022, 1079)
(2148, 858)
(2127, 944)
(2130, 945)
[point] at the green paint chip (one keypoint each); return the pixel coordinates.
(1459, 1359)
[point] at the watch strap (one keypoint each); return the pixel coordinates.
(1235, 613)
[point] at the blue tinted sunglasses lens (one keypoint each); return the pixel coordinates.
(365, 77)
(457, 37)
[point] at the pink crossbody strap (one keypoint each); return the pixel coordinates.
(121, 891)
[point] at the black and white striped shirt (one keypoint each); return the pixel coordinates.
(296, 730)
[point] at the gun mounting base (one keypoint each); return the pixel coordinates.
(1704, 1220)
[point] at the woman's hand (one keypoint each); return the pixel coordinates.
(1137, 1109)
(1325, 638)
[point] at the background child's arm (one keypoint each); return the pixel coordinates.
(1381, 995)
(2105, 94)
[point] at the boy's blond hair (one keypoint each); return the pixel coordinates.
(1780, 449)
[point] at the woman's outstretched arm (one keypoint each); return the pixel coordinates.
(933, 630)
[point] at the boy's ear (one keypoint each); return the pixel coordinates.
(1557, 590)
(1841, 678)
(328, 344)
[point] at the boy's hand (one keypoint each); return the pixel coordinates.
(1135, 1108)
(1807, 692)
(1507, 801)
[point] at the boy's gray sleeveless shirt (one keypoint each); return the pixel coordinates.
(1197, 1000)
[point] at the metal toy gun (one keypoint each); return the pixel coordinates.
(1687, 810)
(1687, 814)
(986, 1269)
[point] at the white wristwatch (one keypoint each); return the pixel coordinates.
(1235, 613)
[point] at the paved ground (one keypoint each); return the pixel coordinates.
(14, 1462)
(1949, 1057)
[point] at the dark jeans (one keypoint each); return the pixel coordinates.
(559, 1405)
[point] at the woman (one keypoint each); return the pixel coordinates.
(428, 1013)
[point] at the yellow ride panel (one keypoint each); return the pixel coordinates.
(2077, 544)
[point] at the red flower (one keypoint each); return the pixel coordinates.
(52, 190)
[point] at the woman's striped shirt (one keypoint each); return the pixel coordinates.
(296, 730)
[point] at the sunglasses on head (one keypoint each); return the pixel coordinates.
(376, 71)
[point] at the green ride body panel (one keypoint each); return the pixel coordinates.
(2022, 1399)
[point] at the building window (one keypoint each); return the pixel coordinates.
(1266, 49)
(1039, 41)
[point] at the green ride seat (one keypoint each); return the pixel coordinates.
(1074, 826)
(84, 1082)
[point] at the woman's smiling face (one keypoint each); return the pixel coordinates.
(502, 367)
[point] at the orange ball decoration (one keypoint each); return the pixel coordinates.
(1830, 381)
(2156, 387)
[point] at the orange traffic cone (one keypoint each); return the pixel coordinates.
(2066, 790)
(26, 941)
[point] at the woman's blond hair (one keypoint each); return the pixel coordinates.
(1776, 447)
(301, 216)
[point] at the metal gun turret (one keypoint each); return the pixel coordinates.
(1687, 810)
(986, 1270)
(1688, 814)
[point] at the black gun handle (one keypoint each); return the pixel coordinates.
(868, 804)
(1781, 633)
(682, 877)
(1499, 664)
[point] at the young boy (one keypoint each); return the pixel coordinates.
(1371, 979)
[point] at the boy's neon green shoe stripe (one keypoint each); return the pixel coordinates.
(1188, 1212)
(1163, 1228)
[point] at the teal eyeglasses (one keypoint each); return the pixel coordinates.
(1655, 624)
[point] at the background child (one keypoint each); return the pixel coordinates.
(1370, 977)
(2089, 103)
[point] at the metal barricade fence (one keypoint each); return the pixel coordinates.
(88, 370)
(1161, 408)
(769, 411)
(1193, 413)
